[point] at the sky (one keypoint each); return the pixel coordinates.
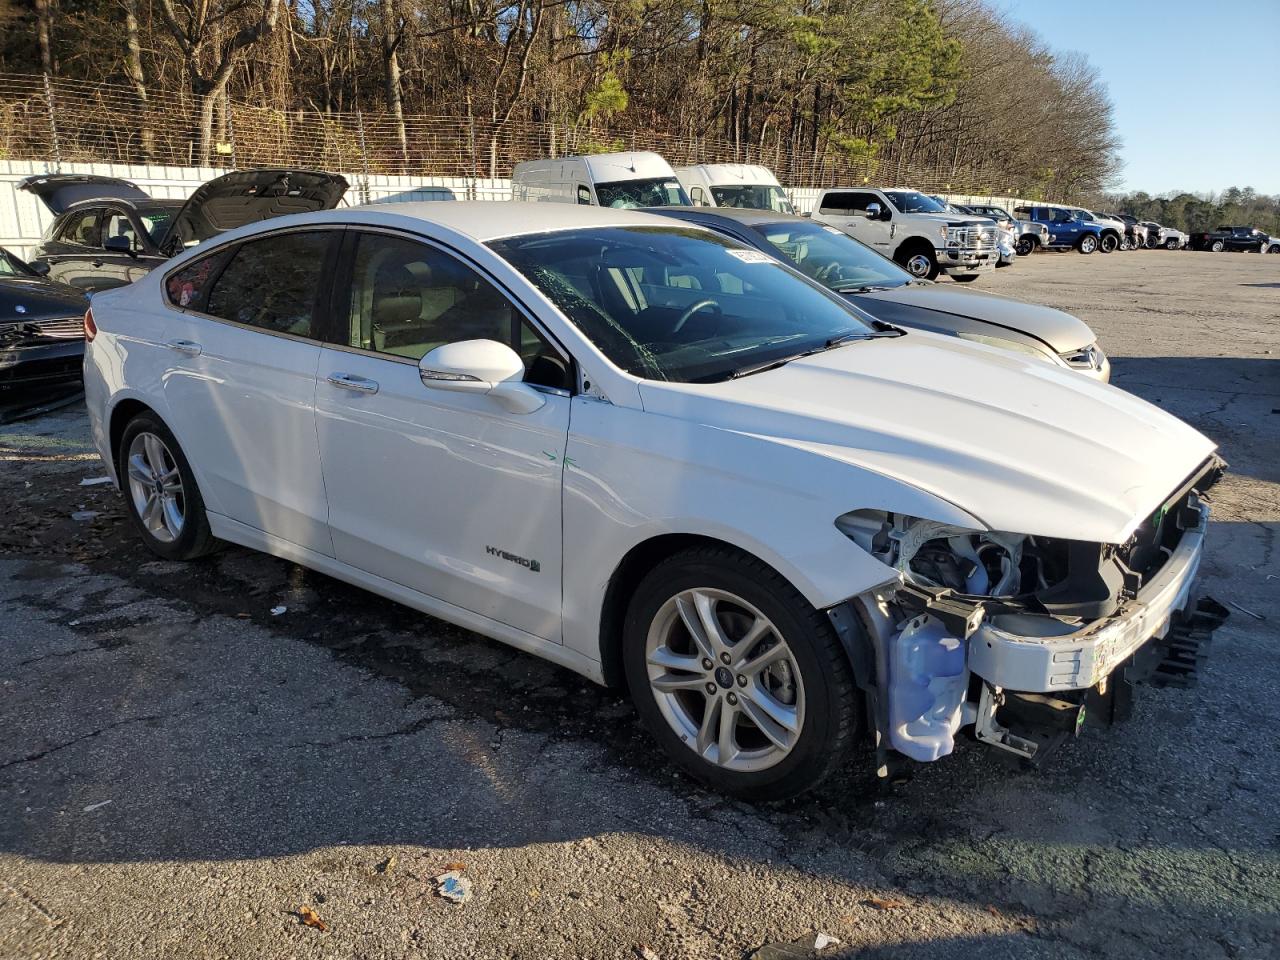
(1195, 84)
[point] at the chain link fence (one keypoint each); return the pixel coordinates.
(59, 121)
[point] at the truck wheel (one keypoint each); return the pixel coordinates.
(1108, 244)
(742, 682)
(1217, 246)
(1171, 244)
(919, 262)
(1025, 246)
(1087, 244)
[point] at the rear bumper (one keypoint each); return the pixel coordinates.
(1079, 660)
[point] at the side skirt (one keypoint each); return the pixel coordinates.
(224, 528)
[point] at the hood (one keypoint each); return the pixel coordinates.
(1021, 445)
(248, 196)
(1060, 331)
(60, 190)
(26, 299)
(951, 219)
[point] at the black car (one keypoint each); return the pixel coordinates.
(1231, 238)
(41, 330)
(889, 293)
(108, 232)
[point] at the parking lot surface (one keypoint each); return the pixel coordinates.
(182, 772)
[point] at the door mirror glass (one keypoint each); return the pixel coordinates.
(873, 211)
(481, 366)
(39, 267)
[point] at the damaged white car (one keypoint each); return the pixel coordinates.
(660, 458)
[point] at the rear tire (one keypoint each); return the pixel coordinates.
(1217, 246)
(1025, 246)
(1108, 244)
(760, 732)
(160, 492)
(1087, 244)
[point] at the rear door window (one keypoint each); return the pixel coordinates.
(82, 228)
(188, 288)
(273, 283)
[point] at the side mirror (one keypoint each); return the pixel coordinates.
(873, 211)
(484, 367)
(119, 245)
(39, 267)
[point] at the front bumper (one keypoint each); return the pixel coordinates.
(1078, 660)
(38, 365)
(952, 260)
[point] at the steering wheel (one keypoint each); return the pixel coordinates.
(830, 271)
(690, 311)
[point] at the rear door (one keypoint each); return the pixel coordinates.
(74, 254)
(241, 380)
(448, 494)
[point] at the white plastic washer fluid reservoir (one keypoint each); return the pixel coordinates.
(927, 686)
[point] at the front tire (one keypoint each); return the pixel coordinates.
(160, 492)
(1087, 245)
(1025, 246)
(1217, 246)
(919, 262)
(1109, 244)
(1171, 244)
(742, 682)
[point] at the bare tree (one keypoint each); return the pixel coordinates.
(393, 33)
(200, 32)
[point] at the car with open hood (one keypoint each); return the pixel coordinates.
(41, 329)
(663, 459)
(888, 292)
(108, 232)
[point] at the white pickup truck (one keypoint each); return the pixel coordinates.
(913, 229)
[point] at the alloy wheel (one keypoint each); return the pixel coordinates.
(725, 679)
(155, 485)
(919, 265)
(1088, 245)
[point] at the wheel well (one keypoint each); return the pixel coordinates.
(124, 411)
(633, 568)
(911, 245)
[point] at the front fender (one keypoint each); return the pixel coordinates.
(631, 476)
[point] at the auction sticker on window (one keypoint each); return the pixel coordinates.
(751, 256)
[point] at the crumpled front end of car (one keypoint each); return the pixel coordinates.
(1022, 637)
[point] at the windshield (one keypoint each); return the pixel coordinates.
(753, 196)
(11, 266)
(908, 201)
(156, 223)
(655, 192)
(832, 257)
(678, 303)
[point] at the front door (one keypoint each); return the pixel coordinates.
(241, 380)
(448, 494)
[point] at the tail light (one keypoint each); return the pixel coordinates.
(90, 328)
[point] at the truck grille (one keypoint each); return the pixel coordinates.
(977, 237)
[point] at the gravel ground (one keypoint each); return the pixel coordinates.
(181, 773)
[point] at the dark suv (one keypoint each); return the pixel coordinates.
(106, 232)
(1231, 238)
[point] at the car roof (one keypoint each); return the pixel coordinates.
(747, 216)
(484, 220)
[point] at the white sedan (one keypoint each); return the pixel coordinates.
(656, 457)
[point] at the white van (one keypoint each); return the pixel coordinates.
(734, 185)
(634, 179)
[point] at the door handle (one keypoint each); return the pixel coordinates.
(97, 263)
(185, 347)
(349, 381)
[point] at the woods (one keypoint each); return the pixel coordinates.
(889, 89)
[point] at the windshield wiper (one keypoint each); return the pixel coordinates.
(881, 330)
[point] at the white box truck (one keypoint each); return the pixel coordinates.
(638, 178)
(734, 185)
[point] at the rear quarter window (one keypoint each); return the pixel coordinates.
(188, 288)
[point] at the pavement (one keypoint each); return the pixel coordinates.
(183, 774)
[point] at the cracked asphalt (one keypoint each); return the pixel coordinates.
(182, 772)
